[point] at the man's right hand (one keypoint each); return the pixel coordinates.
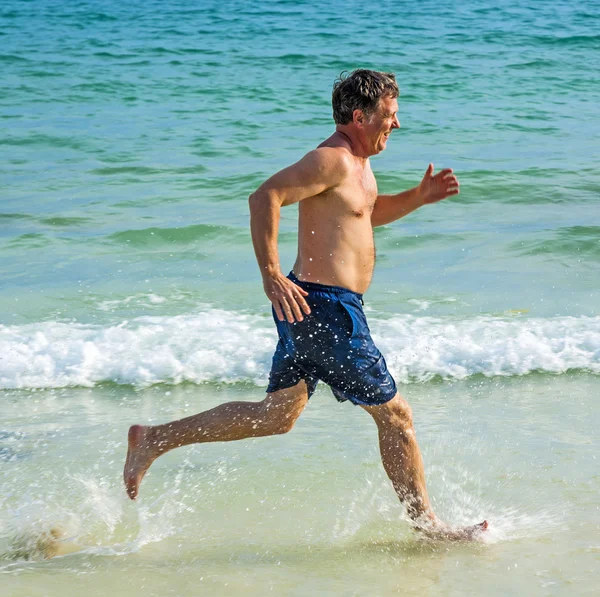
(287, 298)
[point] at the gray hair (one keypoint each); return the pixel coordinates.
(360, 90)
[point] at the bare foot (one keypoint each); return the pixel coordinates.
(442, 532)
(141, 453)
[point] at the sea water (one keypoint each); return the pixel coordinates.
(131, 135)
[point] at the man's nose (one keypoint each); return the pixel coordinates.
(396, 123)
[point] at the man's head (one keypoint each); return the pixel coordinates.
(367, 100)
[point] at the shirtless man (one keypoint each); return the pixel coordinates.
(323, 333)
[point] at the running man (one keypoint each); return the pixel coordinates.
(323, 333)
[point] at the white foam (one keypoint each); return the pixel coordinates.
(137, 300)
(420, 348)
(221, 346)
(424, 304)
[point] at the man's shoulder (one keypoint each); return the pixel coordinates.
(327, 158)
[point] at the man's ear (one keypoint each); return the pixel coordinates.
(358, 118)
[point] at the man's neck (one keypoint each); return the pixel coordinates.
(354, 139)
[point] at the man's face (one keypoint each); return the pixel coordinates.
(381, 123)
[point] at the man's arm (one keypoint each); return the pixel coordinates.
(318, 171)
(389, 208)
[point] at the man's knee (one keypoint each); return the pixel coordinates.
(395, 413)
(277, 420)
(284, 425)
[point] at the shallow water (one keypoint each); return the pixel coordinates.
(130, 140)
(307, 512)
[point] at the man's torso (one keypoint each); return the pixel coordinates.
(335, 235)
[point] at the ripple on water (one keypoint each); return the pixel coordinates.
(579, 242)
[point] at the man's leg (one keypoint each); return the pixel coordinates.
(401, 456)
(403, 464)
(231, 421)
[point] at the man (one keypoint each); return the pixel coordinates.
(323, 333)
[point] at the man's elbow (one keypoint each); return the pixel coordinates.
(261, 198)
(253, 201)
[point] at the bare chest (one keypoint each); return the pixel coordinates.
(359, 193)
(354, 199)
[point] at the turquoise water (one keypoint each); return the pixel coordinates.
(130, 138)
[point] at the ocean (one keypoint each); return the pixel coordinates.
(131, 136)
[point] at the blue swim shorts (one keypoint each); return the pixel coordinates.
(333, 344)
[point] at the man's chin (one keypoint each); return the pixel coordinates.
(379, 147)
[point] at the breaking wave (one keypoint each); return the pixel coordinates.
(219, 346)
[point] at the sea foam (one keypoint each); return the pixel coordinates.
(230, 347)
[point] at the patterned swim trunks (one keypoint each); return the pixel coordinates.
(333, 344)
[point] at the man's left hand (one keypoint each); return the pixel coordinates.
(436, 187)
